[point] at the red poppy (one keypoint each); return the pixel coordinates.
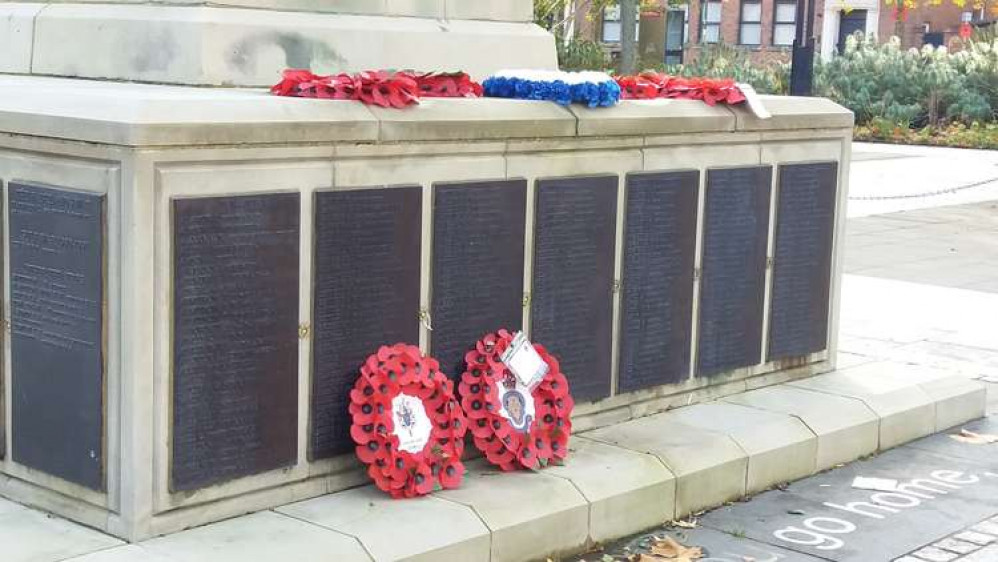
(482, 387)
(651, 85)
(392, 371)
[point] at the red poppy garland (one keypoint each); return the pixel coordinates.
(650, 85)
(383, 88)
(408, 426)
(515, 423)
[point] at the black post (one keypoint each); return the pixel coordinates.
(802, 62)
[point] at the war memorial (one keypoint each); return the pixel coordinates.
(194, 268)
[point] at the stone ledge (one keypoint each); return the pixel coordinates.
(142, 115)
(512, 517)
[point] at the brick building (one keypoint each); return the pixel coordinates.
(766, 28)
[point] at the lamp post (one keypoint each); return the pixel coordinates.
(802, 61)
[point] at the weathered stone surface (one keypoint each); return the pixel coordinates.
(846, 428)
(229, 46)
(522, 527)
(32, 536)
(16, 34)
(627, 491)
(795, 113)
(424, 529)
(140, 114)
(710, 468)
(906, 411)
(653, 117)
(780, 447)
(260, 536)
(473, 119)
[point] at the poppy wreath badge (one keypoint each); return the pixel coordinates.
(520, 417)
(408, 426)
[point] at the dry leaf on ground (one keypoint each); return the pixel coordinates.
(669, 549)
(690, 523)
(967, 436)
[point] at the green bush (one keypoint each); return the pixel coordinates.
(580, 54)
(914, 87)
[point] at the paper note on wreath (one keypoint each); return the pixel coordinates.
(524, 362)
(754, 102)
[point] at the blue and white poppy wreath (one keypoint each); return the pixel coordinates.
(595, 89)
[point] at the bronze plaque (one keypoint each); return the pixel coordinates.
(572, 305)
(657, 306)
(57, 331)
(736, 232)
(235, 337)
(802, 269)
(367, 256)
(478, 233)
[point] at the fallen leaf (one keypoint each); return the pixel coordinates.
(669, 549)
(967, 436)
(685, 524)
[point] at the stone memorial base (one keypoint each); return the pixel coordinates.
(194, 275)
(249, 42)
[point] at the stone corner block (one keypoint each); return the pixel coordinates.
(846, 428)
(423, 529)
(17, 33)
(265, 535)
(507, 10)
(710, 468)
(653, 117)
(906, 411)
(627, 491)
(780, 447)
(958, 400)
(531, 515)
(440, 119)
(790, 112)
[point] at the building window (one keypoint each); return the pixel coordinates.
(611, 24)
(750, 28)
(785, 23)
(711, 22)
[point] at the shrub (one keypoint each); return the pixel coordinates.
(581, 54)
(914, 87)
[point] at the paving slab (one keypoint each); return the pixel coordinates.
(779, 446)
(945, 445)
(265, 536)
(906, 411)
(986, 554)
(710, 467)
(27, 535)
(846, 428)
(825, 516)
(531, 515)
(126, 553)
(627, 491)
(423, 529)
(717, 547)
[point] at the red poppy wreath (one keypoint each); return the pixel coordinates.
(516, 423)
(408, 426)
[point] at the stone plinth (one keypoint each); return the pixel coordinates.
(214, 383)
(249, 42)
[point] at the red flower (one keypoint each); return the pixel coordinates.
(451, 473)
(482, 386)
(384, 375)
